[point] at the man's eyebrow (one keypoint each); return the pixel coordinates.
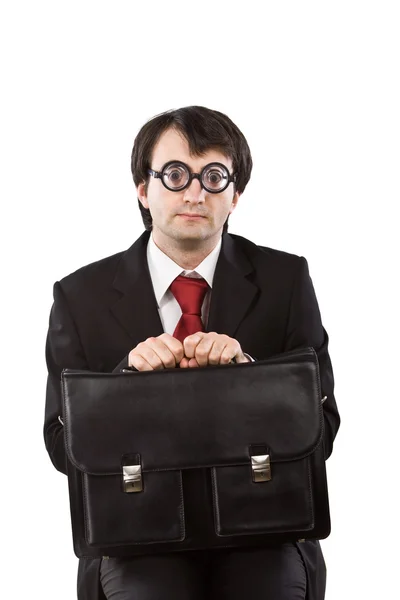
(191, 168)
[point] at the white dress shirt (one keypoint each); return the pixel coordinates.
(163, 271)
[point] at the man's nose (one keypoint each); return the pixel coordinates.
(194, 193)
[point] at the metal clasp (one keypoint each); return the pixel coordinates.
(261, 468)
(132, 478)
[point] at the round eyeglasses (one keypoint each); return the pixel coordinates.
(177, 176)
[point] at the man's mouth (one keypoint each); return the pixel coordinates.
(191, 216)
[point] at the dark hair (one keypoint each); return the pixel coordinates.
(204, 129)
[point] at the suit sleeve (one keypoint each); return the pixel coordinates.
(304, 328)
(122, 365)
(63, 350)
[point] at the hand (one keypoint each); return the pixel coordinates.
(201, 349)
(156, 353)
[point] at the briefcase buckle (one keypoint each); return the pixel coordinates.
(261, 468)
(132, 478)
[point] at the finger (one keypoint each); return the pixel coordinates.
(155, 353)
(209, 350)
(231, 351)
(240, 358)
(174, 345)
(139, 362)
(190, 343)
(193, 363)
(218, 352)
(188, 362)
(203, 349)
(164, 352)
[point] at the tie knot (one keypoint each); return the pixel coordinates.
(189, 293)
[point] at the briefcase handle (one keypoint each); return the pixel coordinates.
(134, 370)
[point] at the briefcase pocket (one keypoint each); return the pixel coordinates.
(280, 505)
(114, 517)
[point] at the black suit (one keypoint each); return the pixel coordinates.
(262, 297)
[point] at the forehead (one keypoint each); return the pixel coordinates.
(173, 146)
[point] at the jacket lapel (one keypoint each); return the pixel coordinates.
(137, 309)
(231, 297)
(232, 293)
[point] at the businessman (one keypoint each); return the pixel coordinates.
(186, 294)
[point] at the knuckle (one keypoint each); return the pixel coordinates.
(175, 353)
(201, 353)
(155, 362)
(140, 364)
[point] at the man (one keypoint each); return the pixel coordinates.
(135, 308)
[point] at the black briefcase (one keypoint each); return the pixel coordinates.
(183, 459)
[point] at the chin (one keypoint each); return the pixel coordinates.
(189, 233)
(192, 235)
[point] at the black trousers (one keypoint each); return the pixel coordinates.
(247, 574)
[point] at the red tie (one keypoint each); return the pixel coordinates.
(189, 292)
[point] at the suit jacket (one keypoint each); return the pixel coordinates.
(261, 296)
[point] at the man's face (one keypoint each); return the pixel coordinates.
(170, 210)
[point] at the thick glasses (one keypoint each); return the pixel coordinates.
(176, 176)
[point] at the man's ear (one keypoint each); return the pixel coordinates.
(141, 194)
(235, 200)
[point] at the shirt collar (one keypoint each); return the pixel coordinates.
(163, 270)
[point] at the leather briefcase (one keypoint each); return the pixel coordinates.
(183, 459)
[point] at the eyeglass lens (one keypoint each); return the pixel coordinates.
(176, 177)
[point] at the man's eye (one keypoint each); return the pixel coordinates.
(175, 176)
(214, 177)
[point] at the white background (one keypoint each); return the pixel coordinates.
(314, 87)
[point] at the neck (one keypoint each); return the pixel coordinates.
(187, 253)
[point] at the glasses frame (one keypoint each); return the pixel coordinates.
(159, 175)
